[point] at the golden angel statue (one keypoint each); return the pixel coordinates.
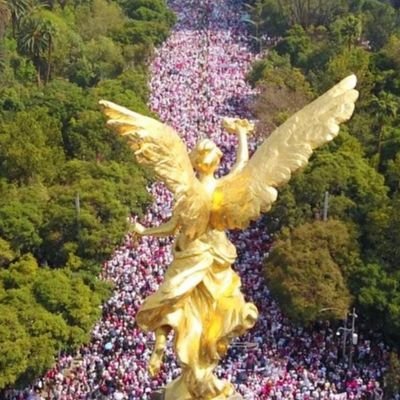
(200, 298)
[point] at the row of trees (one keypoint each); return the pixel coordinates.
(85, 42)
(67, 183)
(353, 257)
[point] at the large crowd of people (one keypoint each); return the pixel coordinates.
(198, 77)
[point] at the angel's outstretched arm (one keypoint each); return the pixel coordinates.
(242, 154)
(241, 128)
(166, 229)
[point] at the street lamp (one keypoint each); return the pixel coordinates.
(353, 336)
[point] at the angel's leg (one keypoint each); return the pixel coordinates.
(159, 349)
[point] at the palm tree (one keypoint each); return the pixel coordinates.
(257, 20)
(4, 20)
(351, 30)
(49, 31)
(18, 9)
(4, 17)
(36, 41)
(384, 108)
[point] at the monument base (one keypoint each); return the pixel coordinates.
(159, 395)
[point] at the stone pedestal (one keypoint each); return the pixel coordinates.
(159, 395)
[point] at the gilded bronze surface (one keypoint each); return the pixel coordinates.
(200, 298)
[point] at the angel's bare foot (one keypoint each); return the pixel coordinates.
(222, 347)
(159, 349)
(155, 362)
(250, 315)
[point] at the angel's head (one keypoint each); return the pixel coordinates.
(205, 157)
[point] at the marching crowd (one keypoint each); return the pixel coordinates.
(198, 76)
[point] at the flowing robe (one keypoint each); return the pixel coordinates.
(200, 300)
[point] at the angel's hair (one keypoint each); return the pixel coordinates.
(205, 145)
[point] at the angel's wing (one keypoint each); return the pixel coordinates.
(159, 147)
(241, 197)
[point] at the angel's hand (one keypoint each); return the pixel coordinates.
(237, 126)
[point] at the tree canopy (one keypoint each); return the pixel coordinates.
(307, 267)
(67, 183)
(321, 43)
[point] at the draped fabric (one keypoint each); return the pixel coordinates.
(200, 300)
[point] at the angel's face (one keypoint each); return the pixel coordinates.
(205, 157)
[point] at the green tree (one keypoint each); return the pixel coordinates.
(392, 376)
(5, 15)
(380, 21)
(43, 312)
(105, 57)
(392, 51)
(19, 224)
(15, 346)
(150, 33)
(355, 188)
(67, 184)
(347, 62)
(107, 192)
(6, 253)
(153, 10)
(298, 45)
(98, 18)
(116, 91)
(313, 12)
(393, 173)
(384, 232)
(283, 90)
(21, 210)
(90, 139)
(18, 9)
(268, 14)
(349, 29)
(63, 100)
(377, 292)
(306, 270)
(36, 40)
(30, 147)
(361, 37)
(67, 58)
(257, 21)
(384, 106)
